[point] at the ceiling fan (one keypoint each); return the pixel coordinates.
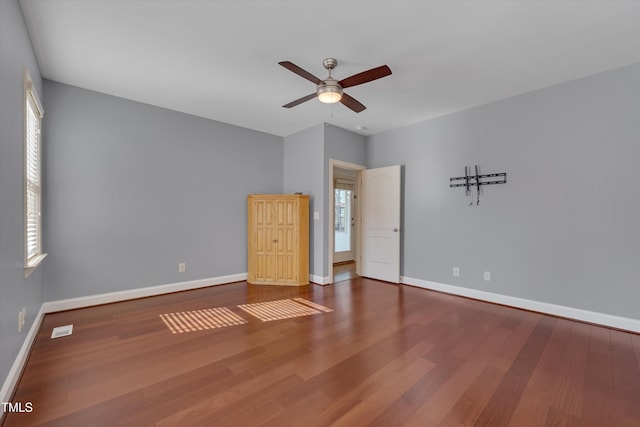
(329, 90)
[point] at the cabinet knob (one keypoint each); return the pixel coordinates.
(395, 230)
(275, 241)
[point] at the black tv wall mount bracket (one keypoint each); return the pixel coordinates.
(470, 181)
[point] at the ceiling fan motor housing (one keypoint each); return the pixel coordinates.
(331, 88)
(329, 91)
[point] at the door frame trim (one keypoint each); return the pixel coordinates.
(333, 163)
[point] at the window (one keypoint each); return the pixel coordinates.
(33, 113)
(344, 218)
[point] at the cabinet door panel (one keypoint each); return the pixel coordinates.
(264, 254)
(264, 241)
(274, 241)
(286, 228)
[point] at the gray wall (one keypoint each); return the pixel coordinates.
(346, 146)
(565, 229)
(303, 154)
(134, 189)
(15, 292)
(306, 169)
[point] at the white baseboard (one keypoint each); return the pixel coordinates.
(319, 279)
(16, 369)
(68, 304)
(73, 303)
(624, 323)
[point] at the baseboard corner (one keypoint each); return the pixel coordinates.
(319, 280)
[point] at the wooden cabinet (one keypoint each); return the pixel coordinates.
(278, 239)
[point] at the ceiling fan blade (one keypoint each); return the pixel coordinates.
(299, 71)
(300, 101)
(352, 103)
(366, 76)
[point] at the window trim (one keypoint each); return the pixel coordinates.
(31, 263)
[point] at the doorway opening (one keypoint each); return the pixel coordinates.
(344, 220)
(344, 271)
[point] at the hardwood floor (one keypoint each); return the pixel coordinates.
(385, 356)
(344, 271)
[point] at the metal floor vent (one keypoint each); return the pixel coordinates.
(61, 331)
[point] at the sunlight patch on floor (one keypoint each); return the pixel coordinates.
(283, 309)
(198, 320)
(211, 318)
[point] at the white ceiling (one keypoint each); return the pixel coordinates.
(219, 59)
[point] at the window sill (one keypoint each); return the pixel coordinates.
(32, 264)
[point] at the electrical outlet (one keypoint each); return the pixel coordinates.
(456, 272)
(182, 267)
(487, 276)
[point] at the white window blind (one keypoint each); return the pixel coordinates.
(344, 184)
(32, 178)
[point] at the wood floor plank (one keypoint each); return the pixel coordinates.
(303, 412)
(337, 380)
(257, 404)
(544, 383)
(468, 407)
(520, 335)
(568, 397)
(502, 405)
(487, 342)
(625, 377)
(635, 339)
(411, 400)
(598, 380)
(557, 418)
(365, 402)
(386, 355)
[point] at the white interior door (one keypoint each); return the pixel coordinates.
(381, 224)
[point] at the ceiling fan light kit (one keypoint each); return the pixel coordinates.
(329, 90)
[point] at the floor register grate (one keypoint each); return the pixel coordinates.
(62, 331)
